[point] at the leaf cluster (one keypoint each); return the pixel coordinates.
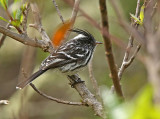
(16, 15)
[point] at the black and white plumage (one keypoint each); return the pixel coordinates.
(69, 57)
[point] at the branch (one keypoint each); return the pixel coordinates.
(123, 22)
(38, 25)
(3, 37)
(58, 11)
(126, 61)
(108, 48)
(87, 96)
(55, 99)
(75, 10)
(25, 15)
(27, 63)
(25, 39)
(93, 80)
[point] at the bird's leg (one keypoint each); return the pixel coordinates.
(75, 80)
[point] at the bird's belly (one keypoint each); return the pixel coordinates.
(71, 69)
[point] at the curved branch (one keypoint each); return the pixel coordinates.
(55, 99)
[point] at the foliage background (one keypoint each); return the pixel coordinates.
(27, 104)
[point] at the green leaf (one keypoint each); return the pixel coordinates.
(17, 1)
(4, 4)
(18, 14)
(14, 14)
(23, 7)
(21, 19)
(144, 103)
(142, 14)
(137, 20)
(4, 19)
(16, 23)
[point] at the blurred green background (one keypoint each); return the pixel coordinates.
(27, 104)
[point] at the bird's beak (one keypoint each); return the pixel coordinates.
(97, 42)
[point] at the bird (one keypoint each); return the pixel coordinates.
(69, 57)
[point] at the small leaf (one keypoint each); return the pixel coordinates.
(4, 19)
(23, 7)
(4, 4)
(60, 33)
(18, 14)
(14, 14)
(137, 20)
(142, 14)
(16, 23)
(14, 8)
(21, 19)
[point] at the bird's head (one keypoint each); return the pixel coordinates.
(85, 37)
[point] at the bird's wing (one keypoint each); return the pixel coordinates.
(65, 54)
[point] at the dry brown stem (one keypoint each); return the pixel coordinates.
(126, 60)
(87, 96)
(38, 25)
(56, 99)
(93, 80)
(108, 48)
(58, 11)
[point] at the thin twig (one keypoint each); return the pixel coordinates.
(126, 61)
(3, 37)
(74, 15)
(75, 10)
(27, 63)
(93, 80)
(123, 22)
(56, 99)
(138, 8)
(43, 94)
(108, 49)
(58, 11)
(38, 25)
(24, 22)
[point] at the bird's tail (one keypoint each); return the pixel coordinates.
(30, 79)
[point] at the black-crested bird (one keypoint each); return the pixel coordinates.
(69, 57)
